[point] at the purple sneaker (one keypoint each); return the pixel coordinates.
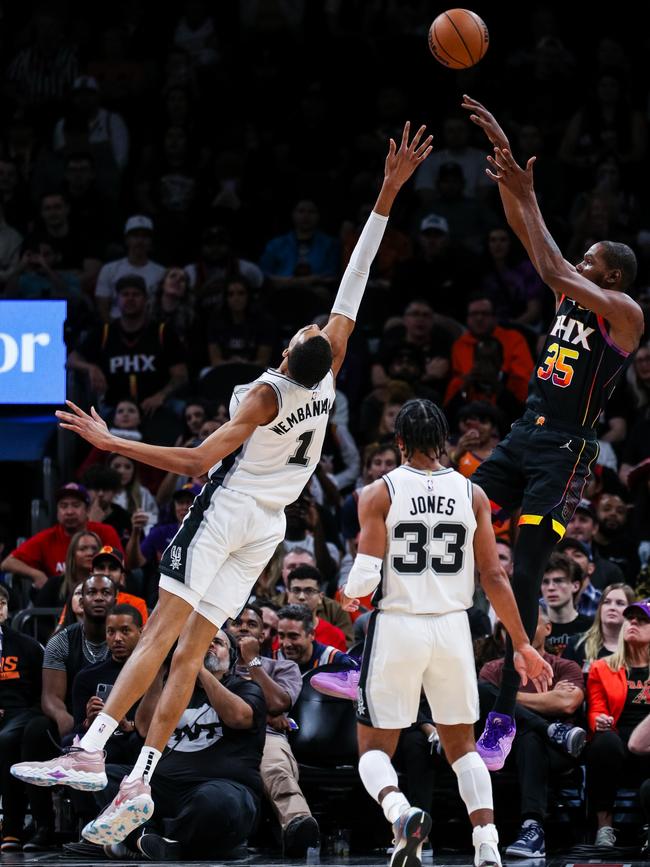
(339, 684)
(496, 741)
(75, 767)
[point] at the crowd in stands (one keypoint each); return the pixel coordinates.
(192, 227)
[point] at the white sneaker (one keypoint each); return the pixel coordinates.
(605, 837)
(486, 846)
(130, 808)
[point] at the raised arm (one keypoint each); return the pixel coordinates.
(258, 407)
(623, 314)
(400, 165)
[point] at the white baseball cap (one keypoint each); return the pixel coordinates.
(434, 222)
(139, 221)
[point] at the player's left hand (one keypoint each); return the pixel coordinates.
(403, 161)
(91, 427)
(530, 665)
(509, 173)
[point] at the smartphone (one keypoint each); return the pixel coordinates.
(103, 690)
(293, 725)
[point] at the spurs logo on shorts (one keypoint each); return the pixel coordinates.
(175, 557)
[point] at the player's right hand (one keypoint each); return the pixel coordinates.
(530, 665)
(91, 427)
(403, 161)
(486, 120)
(349, 603)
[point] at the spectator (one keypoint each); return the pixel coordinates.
(303, 588)
(560, 586)
(89, 688)
(73, 611)
(89, 206)
(138, 238)
(583, 526)
(378, 459)
(601, 639)
(482, 323)
(139, 552)
(511, 282)
(194, 414)
(133, 356)
(613, 539)
(132, 496)
(305, 530)
(172, 303)
(458, 151)
(617, 702)
(110, 561)
(588, 596)
(305, 257)
(66, 653)
(380, 409)
(297, 642)
(103, 483)
(20, 698)
(44, 554)
(547, 741)
(478, 422)
(270, 622)
(281, 682)
(78, 566)
(207, 787)
(239, 330)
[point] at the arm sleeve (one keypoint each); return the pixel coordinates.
(356, 274)
(56, 651)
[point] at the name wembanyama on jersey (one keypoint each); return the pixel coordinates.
(577, 369)
(429, 564)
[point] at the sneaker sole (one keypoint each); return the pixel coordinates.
(84, 781)
(408, 852)
(524, 853)
(116, 827)
(576, 744)
(326, 691)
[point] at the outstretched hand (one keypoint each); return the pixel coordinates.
(91, 427)
(486, 120)
(510, 174)
(530, 665)
(403, 161)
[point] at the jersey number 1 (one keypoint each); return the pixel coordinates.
(300, 456)
(417, 559)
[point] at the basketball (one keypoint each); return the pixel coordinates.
(458, 38)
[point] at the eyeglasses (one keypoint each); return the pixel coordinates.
(304, 591)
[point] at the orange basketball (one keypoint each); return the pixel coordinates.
(458, 38)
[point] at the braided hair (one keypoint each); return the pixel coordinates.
(422, 427)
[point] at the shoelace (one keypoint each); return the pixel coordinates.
(529, 833)
(559, 733)
(491, 735)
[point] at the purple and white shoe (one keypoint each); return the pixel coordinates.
(495, 743)
(339, 684)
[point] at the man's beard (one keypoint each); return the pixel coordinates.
(214, 664)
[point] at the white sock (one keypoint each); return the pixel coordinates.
(377, 773)
(102, 727)
(474, 782)
(145, 765)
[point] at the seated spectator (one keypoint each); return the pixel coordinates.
(133, 356)
(478, 422)
(601, 639)
(456, 149)
(172, 305)
(66, 653)
(133, 496)
(583, 526)
(482, 323)
(297, 642)
(103, 483)
(305, 530)
(125, 423)
(91, 686)
(379, 410)
(613, 538)
(378, 459)
(239, 330)
(305, 257)
(194, 414)
(43, 555)
(207, 787)
(138, 239)
(281, 683)
(89, 206)
(560, 586)
(303, 588)
(588, 595)
(406, 364)
(110, 561)
(270, 622)
(139, 552)
(78, 566)
(73, 611)
(617, 701)
(511, 282)
(547, 740)
(20, 700)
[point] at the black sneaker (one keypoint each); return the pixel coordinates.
(301, 833)
(569, 738)
(42, 841)
(529, 843)
(157, 848)
(83, 849)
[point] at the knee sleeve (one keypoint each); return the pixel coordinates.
(474, 782)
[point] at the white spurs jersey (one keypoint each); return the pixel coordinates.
(429, 562)
(275, 463)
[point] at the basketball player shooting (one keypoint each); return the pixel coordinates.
(543, 464)
(257, 463)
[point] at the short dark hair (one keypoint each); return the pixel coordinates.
(297, 612)
(617, 255)
(559, 562)
(422, 427)
(100, 477)
(4, 593)
(131, 281)
(268, 603)
(123, 608)
(373, 449)
(98, 575)
(310, 360)
(304, 571)
(255, 608)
